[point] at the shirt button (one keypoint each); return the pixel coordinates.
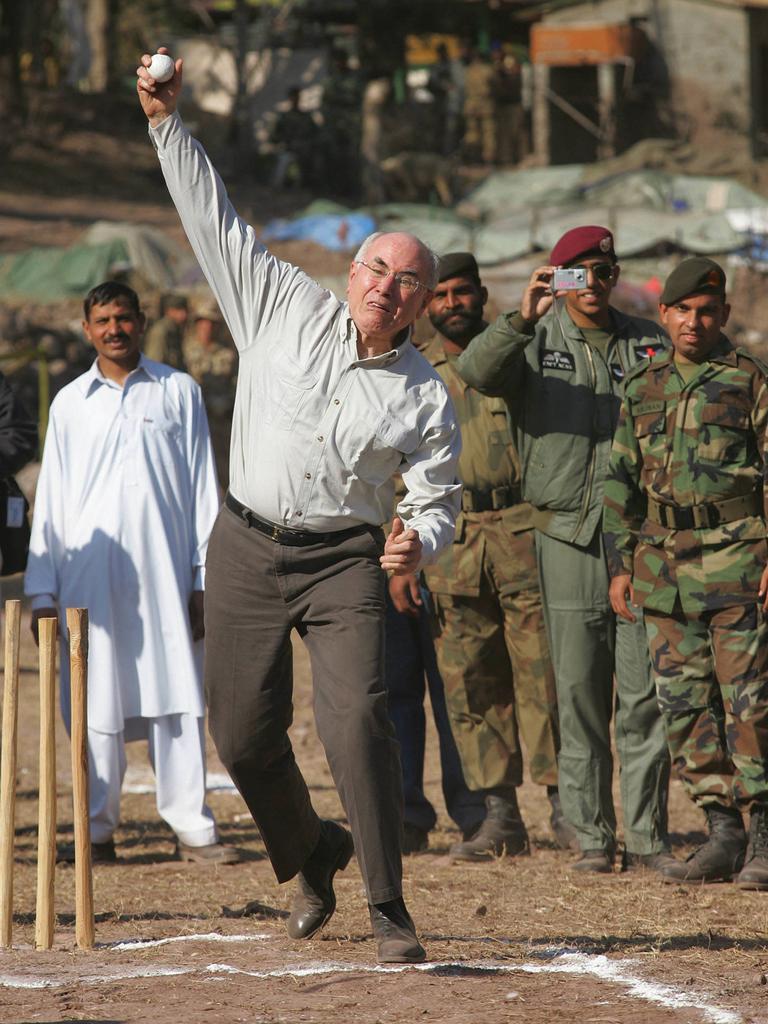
(308, 476)
(298, 513)
(320, 438)
(337, 401)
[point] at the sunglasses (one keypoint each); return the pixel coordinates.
(600, 271)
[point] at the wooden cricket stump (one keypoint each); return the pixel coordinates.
(77, 626)
(8, 767)
(46, 829)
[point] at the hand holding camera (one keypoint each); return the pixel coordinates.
(538, 296)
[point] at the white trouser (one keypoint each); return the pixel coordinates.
(177, 755)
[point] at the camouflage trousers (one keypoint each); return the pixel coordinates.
(711, 674)
(493, 656)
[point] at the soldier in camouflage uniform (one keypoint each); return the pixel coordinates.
(214, 367)
(163, 340)
(560, 363)
(490, 636)
(685, 526)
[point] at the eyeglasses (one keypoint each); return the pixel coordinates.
(405, 280)
(600, 271)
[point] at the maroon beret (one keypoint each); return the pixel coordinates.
(579, 241)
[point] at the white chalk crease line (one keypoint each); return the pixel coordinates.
(617, 972)
(122, 947)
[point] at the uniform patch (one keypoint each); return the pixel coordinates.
(554, 360)
(648, 349)
(617, 371)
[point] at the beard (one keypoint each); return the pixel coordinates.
(458, 325)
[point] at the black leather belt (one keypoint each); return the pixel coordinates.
(490, 501)
(284, 534)
(707, 516)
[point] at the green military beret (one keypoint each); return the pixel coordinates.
(694, 276)
(458, 264)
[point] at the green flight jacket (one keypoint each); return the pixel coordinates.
(565, 398)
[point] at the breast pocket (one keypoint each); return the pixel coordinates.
(287, 388)
(381, 452)
(652, 436)
(724, 434)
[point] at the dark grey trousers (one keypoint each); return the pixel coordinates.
(256, 592)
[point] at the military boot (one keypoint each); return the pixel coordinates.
(502, 830)
(720, 857)
(754, 874)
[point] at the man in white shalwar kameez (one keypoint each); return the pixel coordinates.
(125, 503)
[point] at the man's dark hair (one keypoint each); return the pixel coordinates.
(107, 292)
(172, 300)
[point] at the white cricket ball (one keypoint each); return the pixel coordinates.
(161, 67)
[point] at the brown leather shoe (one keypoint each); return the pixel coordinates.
(597, 862)
(395, 933)
(661, 861)
(212, 854)
(315, 901)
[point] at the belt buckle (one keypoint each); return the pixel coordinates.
(713, 516)
(276, 531)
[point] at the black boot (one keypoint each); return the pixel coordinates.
(562, 829)
(502, 831)
(720, 857)
(395, 933)
(754, 874)
(315, 900)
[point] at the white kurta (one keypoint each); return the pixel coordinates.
(125, 503)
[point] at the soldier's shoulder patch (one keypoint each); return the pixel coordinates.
(745, 353)
(647, 348)
(637, 371)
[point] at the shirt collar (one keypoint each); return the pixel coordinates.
(93, 377)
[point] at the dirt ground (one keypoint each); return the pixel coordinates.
(522, 939)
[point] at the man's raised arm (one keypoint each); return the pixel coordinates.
(246, 279)
(493, 361)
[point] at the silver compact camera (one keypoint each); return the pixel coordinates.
(569, 279)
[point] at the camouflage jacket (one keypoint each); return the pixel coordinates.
(489, 467)
(215, 370)
(564, 398)
(690, 445)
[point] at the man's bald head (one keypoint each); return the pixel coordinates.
(431, 259)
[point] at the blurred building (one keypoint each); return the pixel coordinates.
(609, 72)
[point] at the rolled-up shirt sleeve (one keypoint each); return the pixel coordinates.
(433, 491)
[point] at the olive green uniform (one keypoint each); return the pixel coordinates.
(490, 635)
(480, 110)
(685, 514)
(564, 394)
(163, 343)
